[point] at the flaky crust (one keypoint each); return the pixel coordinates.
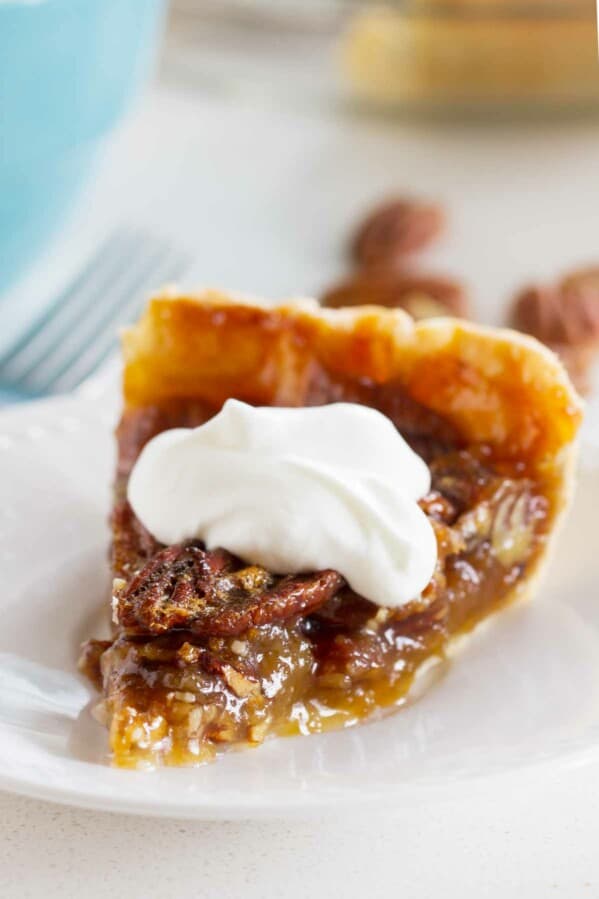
(496, 386)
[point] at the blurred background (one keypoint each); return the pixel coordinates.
(239, 144)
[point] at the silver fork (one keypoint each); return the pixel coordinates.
(77, 331)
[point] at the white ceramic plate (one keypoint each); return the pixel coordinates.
(522, 701)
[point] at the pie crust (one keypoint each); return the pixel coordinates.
(492, 412)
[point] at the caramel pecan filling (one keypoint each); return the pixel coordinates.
(210, 651)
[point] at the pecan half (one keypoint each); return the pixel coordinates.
(422, 296)
(584, 282)
(183, 587)
(566, 319)
(394, 229)
(507, 518)
(557, 316)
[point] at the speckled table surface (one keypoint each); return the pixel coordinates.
(539, 844)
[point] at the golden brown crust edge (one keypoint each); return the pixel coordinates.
(496, 386)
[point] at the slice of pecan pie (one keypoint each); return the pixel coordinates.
(209, 650)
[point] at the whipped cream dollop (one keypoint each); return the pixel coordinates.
(295, 490)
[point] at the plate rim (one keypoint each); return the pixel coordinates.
(231, 805)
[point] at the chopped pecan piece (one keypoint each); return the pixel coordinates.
(210, 593)
(460, 479)
(422, 296)
(438, 507)
(394, 229)
(90, 659)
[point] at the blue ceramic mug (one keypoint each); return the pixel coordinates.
(68, 70)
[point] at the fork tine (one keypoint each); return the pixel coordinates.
(93, 304)
(66, 304)
(66, 351)
(97, 351)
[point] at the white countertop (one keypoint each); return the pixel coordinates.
(534, 846)
(230, 181)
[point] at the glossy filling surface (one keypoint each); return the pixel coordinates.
(210, 651)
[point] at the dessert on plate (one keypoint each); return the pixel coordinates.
(309, 505)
